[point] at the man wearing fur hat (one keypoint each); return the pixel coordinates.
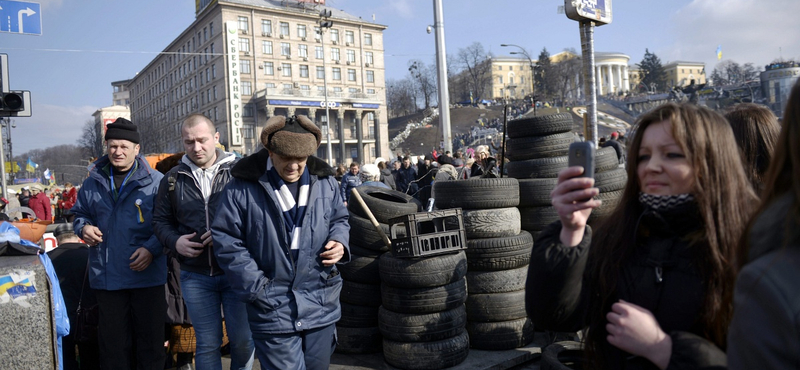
(113, 215)
(279, 231)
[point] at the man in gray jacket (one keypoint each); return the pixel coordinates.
(279, 231)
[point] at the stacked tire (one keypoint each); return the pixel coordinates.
(537, 150)
(498, 253)
(360, 298)
(423, 317)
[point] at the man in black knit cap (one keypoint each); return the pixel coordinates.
(127, 267)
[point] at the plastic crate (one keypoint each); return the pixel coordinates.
(428, 233)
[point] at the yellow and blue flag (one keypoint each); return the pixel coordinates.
(31, 167)
(719, 52)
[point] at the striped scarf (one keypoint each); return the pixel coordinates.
(293, 211)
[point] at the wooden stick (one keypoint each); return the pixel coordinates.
(371, 217)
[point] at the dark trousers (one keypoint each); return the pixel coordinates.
(89, 358)
(132, 318)
(306, 350)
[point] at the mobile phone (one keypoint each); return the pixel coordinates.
(581, 153)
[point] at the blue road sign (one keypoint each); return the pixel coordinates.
(20, 17)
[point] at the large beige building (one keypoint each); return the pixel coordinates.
(682, 73)
(243, 61)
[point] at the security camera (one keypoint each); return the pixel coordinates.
(429, 29)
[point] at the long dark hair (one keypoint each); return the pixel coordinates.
(725, 201)
(756, 130)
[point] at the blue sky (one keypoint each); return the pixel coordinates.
(87, 44)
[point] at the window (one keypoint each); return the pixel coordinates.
(317, 33)
(244, 45)
(215, 93)
(211, 28)
(269, 68)
(247, 111)
(302, 50)
(367, 39)
(285, 29)
(500, 79)
(321, 89)
(286, 49)
(370, 91)
(318, 52)
(269, 85)
(337, 74)
(335, 53)
(511, 80)
(216, 116)
(244, 66)
(305, 87)
(301, 30)
(286, 69)
(371, 76)
(266, 47)
(368, 57)
(351, 75)
(352, 90)
(499, 68)
(266, 26)
(337, 89)
(243, 24)
(304, 71)
(287, 86)
(213, 71)
(510, 68)
(335, 35)
(249, 130)
(212, 50)
(320, 72)
(205, 34)
(247, 88)
(351, 56)
(349, 37)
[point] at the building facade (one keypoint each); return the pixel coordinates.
(683, 73)
(243, 61)
(512, 77)
(612, 73)
(777, 81)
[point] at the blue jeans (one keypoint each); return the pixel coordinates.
(204, 297)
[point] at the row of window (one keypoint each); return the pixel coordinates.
(511, 79)
(302, 51)
(286, 70)
(302, 31)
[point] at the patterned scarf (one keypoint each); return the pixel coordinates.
(665, 202)
(293, 212)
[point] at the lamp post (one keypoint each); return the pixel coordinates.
(323, 24)
(533, 65)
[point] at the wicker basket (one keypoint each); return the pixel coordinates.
(183, 340)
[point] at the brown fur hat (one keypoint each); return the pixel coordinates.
(295, 136)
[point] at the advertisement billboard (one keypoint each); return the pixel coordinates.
(598, 11)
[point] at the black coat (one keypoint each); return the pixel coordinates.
(661, 276)
(69, 261)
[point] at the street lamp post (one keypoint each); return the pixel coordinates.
(323, 24)
(533, 69)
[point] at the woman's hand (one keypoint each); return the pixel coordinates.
(635, 330)
(569, 198)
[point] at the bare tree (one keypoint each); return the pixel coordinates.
(566, 78)
(91, 141)
(424, 77)
(475, 60)
(66, 162)
(400, 97)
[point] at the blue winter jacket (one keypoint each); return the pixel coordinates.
(123, 229)
(283, 295)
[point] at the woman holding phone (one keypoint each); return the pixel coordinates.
(654, 282)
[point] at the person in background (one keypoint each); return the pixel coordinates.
(68, 198)
(279, 230)
(40, 203)
(613, 143)
(370, 176)
(654, 282)
(349, 181)
(756, 130)
(386, 174)
(113, 214)
(24, 200)
(70, 262)
(764, 332)
(340, 172)
(406, 176)
(185, 207)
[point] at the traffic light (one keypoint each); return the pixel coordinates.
(12, 101)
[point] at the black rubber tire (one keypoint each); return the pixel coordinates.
(539, 146)
(360, 294)
(500, 281)
(422, 272)
(537, 218)
(384, 203)
(495, 254)
(540, 125)
(356, 316)
(491, 223)
(364, 252)
(610, 201)
(608, 181)
(428, 327)
(567, 355)
(363, 234)
(361, 269)
(438, 354)
(537, 168)
(424, 300)
(493, 307)
(358, 340)
(503, 335)
(605, 159)
(478, 193)
(536, 192)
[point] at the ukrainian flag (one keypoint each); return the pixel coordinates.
(719, 52)
(7, 285)
(31, 167)
(12, 167)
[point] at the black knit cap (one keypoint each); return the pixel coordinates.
(122, 129)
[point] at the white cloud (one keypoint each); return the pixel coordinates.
(754, 31)
(403, 8)
(49, 125)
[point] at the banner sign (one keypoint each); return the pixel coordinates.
(234, 84)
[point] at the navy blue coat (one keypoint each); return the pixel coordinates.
(252, 247)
